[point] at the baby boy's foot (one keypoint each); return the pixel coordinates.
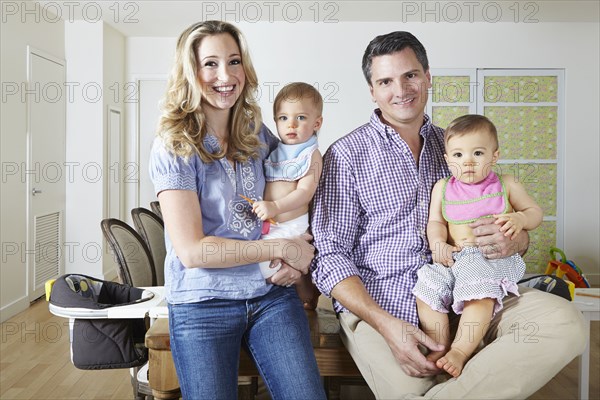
(453, 362)
(308, 293)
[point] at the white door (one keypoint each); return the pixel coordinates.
(46, 170)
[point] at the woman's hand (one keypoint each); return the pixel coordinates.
(298, 252)
(286, 276)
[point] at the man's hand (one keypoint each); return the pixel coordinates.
(493, 243)
(404, 340)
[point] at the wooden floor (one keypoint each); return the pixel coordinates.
(35, 364)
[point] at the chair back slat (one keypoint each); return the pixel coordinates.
(155, 206)
(151, 228)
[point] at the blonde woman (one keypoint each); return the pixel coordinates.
(210, 150)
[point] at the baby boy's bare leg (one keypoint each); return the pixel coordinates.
(308, 292)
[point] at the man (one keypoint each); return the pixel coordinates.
(369, 220)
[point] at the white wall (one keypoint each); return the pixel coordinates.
(114, 90)
(329, 55)
(85, 145)
(96, 59)
(16, 34)
(147, 59)
(95, 55)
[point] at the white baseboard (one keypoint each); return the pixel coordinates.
(12, 309)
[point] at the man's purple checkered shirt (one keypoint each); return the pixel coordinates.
(370, 213)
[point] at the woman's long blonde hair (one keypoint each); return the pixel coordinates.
(182, 125)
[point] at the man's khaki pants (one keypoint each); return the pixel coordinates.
(529, 341)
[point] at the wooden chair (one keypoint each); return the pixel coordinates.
(133, 257)
(152, 229)
(335, 363)
(155, 206)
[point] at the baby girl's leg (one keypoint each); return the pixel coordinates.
(308, 292)
(435, 325)
(474, 323)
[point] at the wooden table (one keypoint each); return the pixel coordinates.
(334, 361)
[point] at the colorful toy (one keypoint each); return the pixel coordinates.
(566, 267)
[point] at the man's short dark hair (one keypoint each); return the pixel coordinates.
(389, 44)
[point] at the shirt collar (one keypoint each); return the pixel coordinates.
(211, 143)
(427, 126)
(387, 131)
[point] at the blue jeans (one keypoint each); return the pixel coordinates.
(206, 339)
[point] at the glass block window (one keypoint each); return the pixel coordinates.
(451, 89)
(526, 107)
(525, 132)
(520, 89)
(443, 115)
(453, 93)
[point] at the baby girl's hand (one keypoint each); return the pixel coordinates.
(442, 254)
(512, 223)
(265, 209)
